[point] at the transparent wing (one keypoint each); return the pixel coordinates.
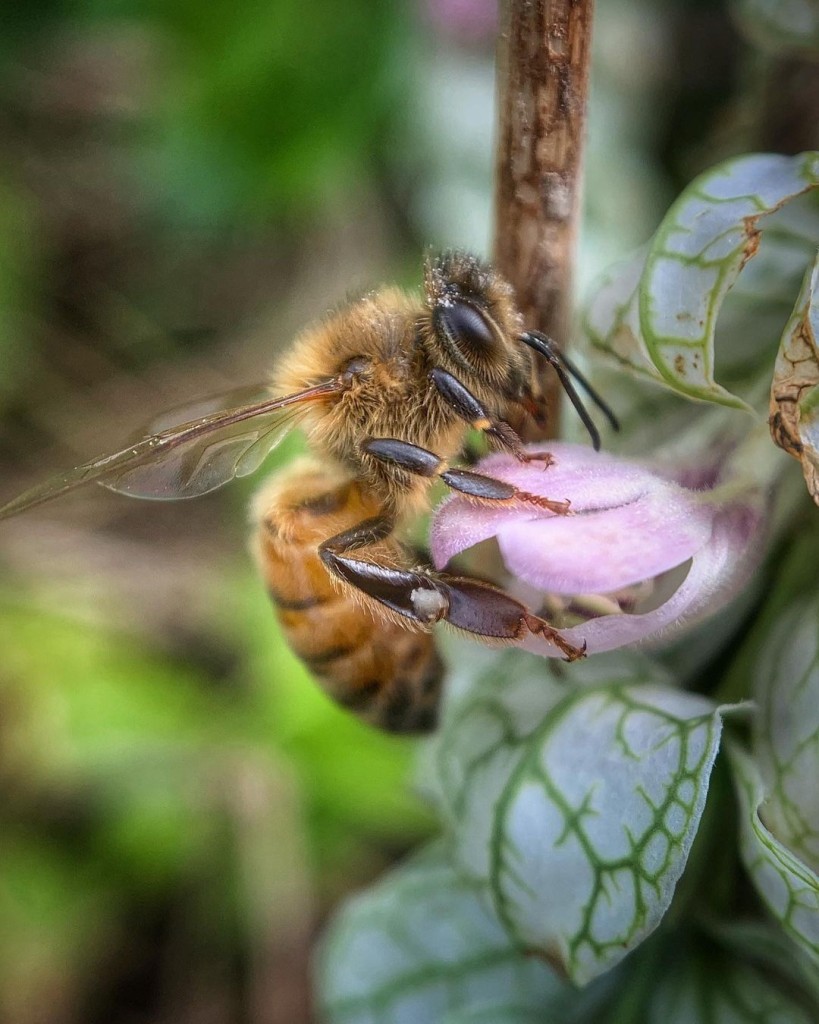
(188, 459)
(198, 408)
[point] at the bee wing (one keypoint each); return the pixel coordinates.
(198, 408)
(188, 459)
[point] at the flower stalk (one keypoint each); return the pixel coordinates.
(543, 72)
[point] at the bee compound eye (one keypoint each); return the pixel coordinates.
(466, 326)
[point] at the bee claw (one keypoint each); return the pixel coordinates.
(540, 627)
(560, 508)
(545, 457)
(573, 653)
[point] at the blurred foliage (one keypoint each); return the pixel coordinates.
(279, 109)
(182, 187)
(178, 801)
(254, 109)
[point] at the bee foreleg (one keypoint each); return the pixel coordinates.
(476, 486)
(426, 598)
(462, 402)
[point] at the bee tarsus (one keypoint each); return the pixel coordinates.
(476, 486)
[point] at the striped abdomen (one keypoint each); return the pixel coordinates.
(381, 669)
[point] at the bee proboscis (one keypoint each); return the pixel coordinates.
(387, 389)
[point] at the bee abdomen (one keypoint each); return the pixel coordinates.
(383, 671)
(393, 682)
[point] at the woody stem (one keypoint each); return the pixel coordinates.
(543, 73)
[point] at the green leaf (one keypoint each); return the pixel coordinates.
(780, 24)
(794, 413)
(777, 788)
(707, 983)
(576, 808)
(786, 739)
(765, 944)
(421, 945)
(788, 886)
(657, 315)
(761, 299)
(776, 782)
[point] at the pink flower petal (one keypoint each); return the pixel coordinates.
(717, 573)
(464, 20)
(629, 524)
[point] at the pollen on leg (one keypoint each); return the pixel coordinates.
(429, 604)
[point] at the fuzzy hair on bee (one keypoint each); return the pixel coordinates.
(387, 388)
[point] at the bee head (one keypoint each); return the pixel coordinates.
(472, 316)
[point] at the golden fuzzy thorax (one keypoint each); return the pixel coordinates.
(391, 337)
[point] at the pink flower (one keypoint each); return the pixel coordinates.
(640, 555)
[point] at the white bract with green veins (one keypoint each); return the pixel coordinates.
(658, 316)
(595, 863)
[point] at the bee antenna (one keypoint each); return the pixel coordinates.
(565, 370)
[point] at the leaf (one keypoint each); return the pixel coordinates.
(786, 739)
(707, 983)
(577, 809)
(765, 944)
(421, 945)
(788, 886)
(776, 783)
(780, 24)
(761, 299)
(658, 315)
(481, 745)
(610, 321)
(794, 409)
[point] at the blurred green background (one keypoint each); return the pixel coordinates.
(183, 186)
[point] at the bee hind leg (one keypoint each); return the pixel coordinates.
(426, 597)
(488, 611)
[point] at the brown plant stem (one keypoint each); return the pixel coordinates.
(543, 74)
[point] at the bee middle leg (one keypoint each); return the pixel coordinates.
(425, 597)
(476, 486)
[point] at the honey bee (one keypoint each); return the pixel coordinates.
(387, 389)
